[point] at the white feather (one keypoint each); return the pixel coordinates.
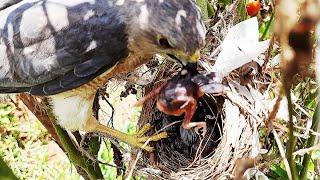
(73, 112)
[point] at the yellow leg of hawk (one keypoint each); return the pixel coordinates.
(136, 140)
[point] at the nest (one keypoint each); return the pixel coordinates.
(233, 121)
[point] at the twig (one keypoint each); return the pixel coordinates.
(310, 130)
(133, 165)
(273, 113)
(302, 152)
(271, 117)
(74, 155)
(282, 153)
(292, 139)
(36, 108)
(102, 93)
(91, 157)
(169, 125)
(285, 129)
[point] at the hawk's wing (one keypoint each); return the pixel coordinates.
(6, 3)
(50, 46)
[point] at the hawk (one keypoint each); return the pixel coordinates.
(66, 50)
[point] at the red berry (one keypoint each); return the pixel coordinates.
(253, 7)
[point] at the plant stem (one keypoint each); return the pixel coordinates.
(292, 139)
(5, 171)
(310, 143)
(93, 149)
(74, 154)
(267, 27)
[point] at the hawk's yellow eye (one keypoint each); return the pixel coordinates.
(164, 43)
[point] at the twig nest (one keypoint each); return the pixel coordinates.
(233, 119)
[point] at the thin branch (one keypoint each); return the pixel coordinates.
(302, 152)
(292, 139)
(282, 153)
(74, 155)
(134, 163)
(33, 104)
(46, 116)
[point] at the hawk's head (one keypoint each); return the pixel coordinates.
(170, 27)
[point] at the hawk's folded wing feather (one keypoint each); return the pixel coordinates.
(51, 46)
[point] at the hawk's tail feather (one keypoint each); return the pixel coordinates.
(6, 90)
(6, 93)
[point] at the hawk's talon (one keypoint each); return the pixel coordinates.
(145, 147)
(137, 140)
(141, 139)
(144, 129)
(155, 137)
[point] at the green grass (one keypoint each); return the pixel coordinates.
(24, 144)
(24, 147)
(106, 155)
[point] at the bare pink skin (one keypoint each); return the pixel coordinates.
(178, 97)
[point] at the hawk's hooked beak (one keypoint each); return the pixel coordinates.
(195, 57)
(186, 58)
